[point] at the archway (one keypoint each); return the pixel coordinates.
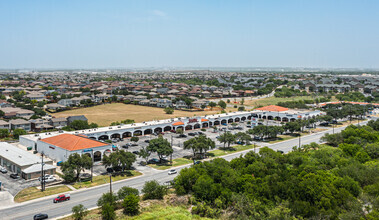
(157, 130)
(137, 133)
(103, 137)
(237, 119)
(210, 124)
(292, 119)
(126, 134)
(148, 131)
(244, 118)
(181, 127)
(223, 121)
(196, 126)
(249, 117)
(270, 117)
(88, 154)
(230, 120)
(277, 118)
(188, 127)
(216, 123)
(97, 156)
(167, 128)
(93, 138)
(284, 119)
(205, 125)
(264, 117)
(116, 135)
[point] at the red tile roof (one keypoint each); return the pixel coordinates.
(273, 108)
(178, 123)
(72, 142)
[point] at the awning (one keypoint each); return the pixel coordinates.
(178, 123)
(203, 119)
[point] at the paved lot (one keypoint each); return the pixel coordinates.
(14, 186)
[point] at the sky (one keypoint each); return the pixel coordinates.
(196, 33)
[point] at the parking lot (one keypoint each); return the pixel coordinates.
(13, 186)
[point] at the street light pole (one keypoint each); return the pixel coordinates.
(92, 166)
(299, 139)
(110, 183)
(42, 175)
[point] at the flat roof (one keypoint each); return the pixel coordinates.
(18, 156)
(72, 142)
(37, 168)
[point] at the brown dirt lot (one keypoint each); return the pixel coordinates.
(104, 115)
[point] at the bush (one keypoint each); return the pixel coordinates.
(107, 212)
(203, 129)
(79, 212)
(235, 106)
(131, 204)
(168, 110)
(152, 190)
(18, 132)
(107, 199)
(241, 108)
(125, 191)
(134, 139)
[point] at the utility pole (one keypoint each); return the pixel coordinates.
(299, 140)
(92, 166)
(42, 174)
(110, 183)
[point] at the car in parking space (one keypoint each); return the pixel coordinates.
(173, 131)
(182, 136)
(14, 176)
(133, 144)
(153, 160)
(147, 141)
(45, 177)
(191, 134)
(50, 179)
(200, 133)
(126, 146)
(40, 216)
(324, 124)
(3, 170)
(172, 172)
(260, 123)
(135, 152)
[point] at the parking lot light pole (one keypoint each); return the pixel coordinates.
(42, 176)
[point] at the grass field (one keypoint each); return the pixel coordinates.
(233, 149)
(34, 193)
(104, 115)
(98, 180)
(273, 100)
(175, 162)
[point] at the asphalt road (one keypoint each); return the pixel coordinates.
(89, 197)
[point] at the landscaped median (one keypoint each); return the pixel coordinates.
(34, 193)
(211, 154)
(103, 179)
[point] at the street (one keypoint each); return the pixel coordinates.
(89, 197)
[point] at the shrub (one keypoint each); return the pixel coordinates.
(79, 212)
(107, 212)
(152, 190)
(203, 129)
(134, 139)
(131, 204)
(125, 191)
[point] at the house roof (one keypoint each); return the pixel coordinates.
(37, 168)
(72, 142)
(203, 119)
(273, 108)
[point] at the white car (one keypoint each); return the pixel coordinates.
(50, 179)
(172, 172)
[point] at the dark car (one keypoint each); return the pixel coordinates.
(135, 152)
(182, 136)
(14, 176)
(126, 146)
(324, 124)
(133, 144)
(40, 216)
(191, 134)
(200, 133)
(147, 141)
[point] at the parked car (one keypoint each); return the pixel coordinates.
(173, 131)
(45, 177)
(172, 172)
(200, 133)
(133, 144)
(3, 170)
(61, 198)
(147, 141)
(191, 134)
(182, 136)
(153, 160)
(14, 176)
(40, 216)
(126, 146)
(50, 179)
(196, 162)
(135, 152)
(260, 123)
(324, 124)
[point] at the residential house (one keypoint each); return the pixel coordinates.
(4, 125)
(20, 124)
(58, 122)
(163, 103)
(70, 119)
(38, 125)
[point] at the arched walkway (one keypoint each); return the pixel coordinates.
(88, 154)
(270, 117)
(167, 128)
(264, 117)
(223, 121)
(104, 137)
(205, 125)
(157, 130)
(93, 138)
(126, 134)
(115, 136)
(292, 119)
(148, 131)
(237, 119)
(181, 127)
(284, 119)
(188, 127)
(277, 118)
(216, 123)
(244, 118)
(137, 133)
(196, 126)
(230, 120)
(97, 156)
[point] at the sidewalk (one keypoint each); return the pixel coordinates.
(6, 198)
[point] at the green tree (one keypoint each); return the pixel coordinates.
(144, 153)
(131, 204)
(227, 138)
(125, 191)
(120, 158)
(222, 104)
(212, 105)
(179, 131)
(160, 146)
(200, 144)
(107, 198)
(75, 164)
(1, 113)
(17, 132)
(153, 190)
(4, 133)
(79, 124)
(168, 110)
(108, 212)
(79, 212)
(134, 139)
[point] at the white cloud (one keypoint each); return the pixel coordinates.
(159, 13)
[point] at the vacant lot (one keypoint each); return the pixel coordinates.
(274, 100)
(104, 115)
(33, 193)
